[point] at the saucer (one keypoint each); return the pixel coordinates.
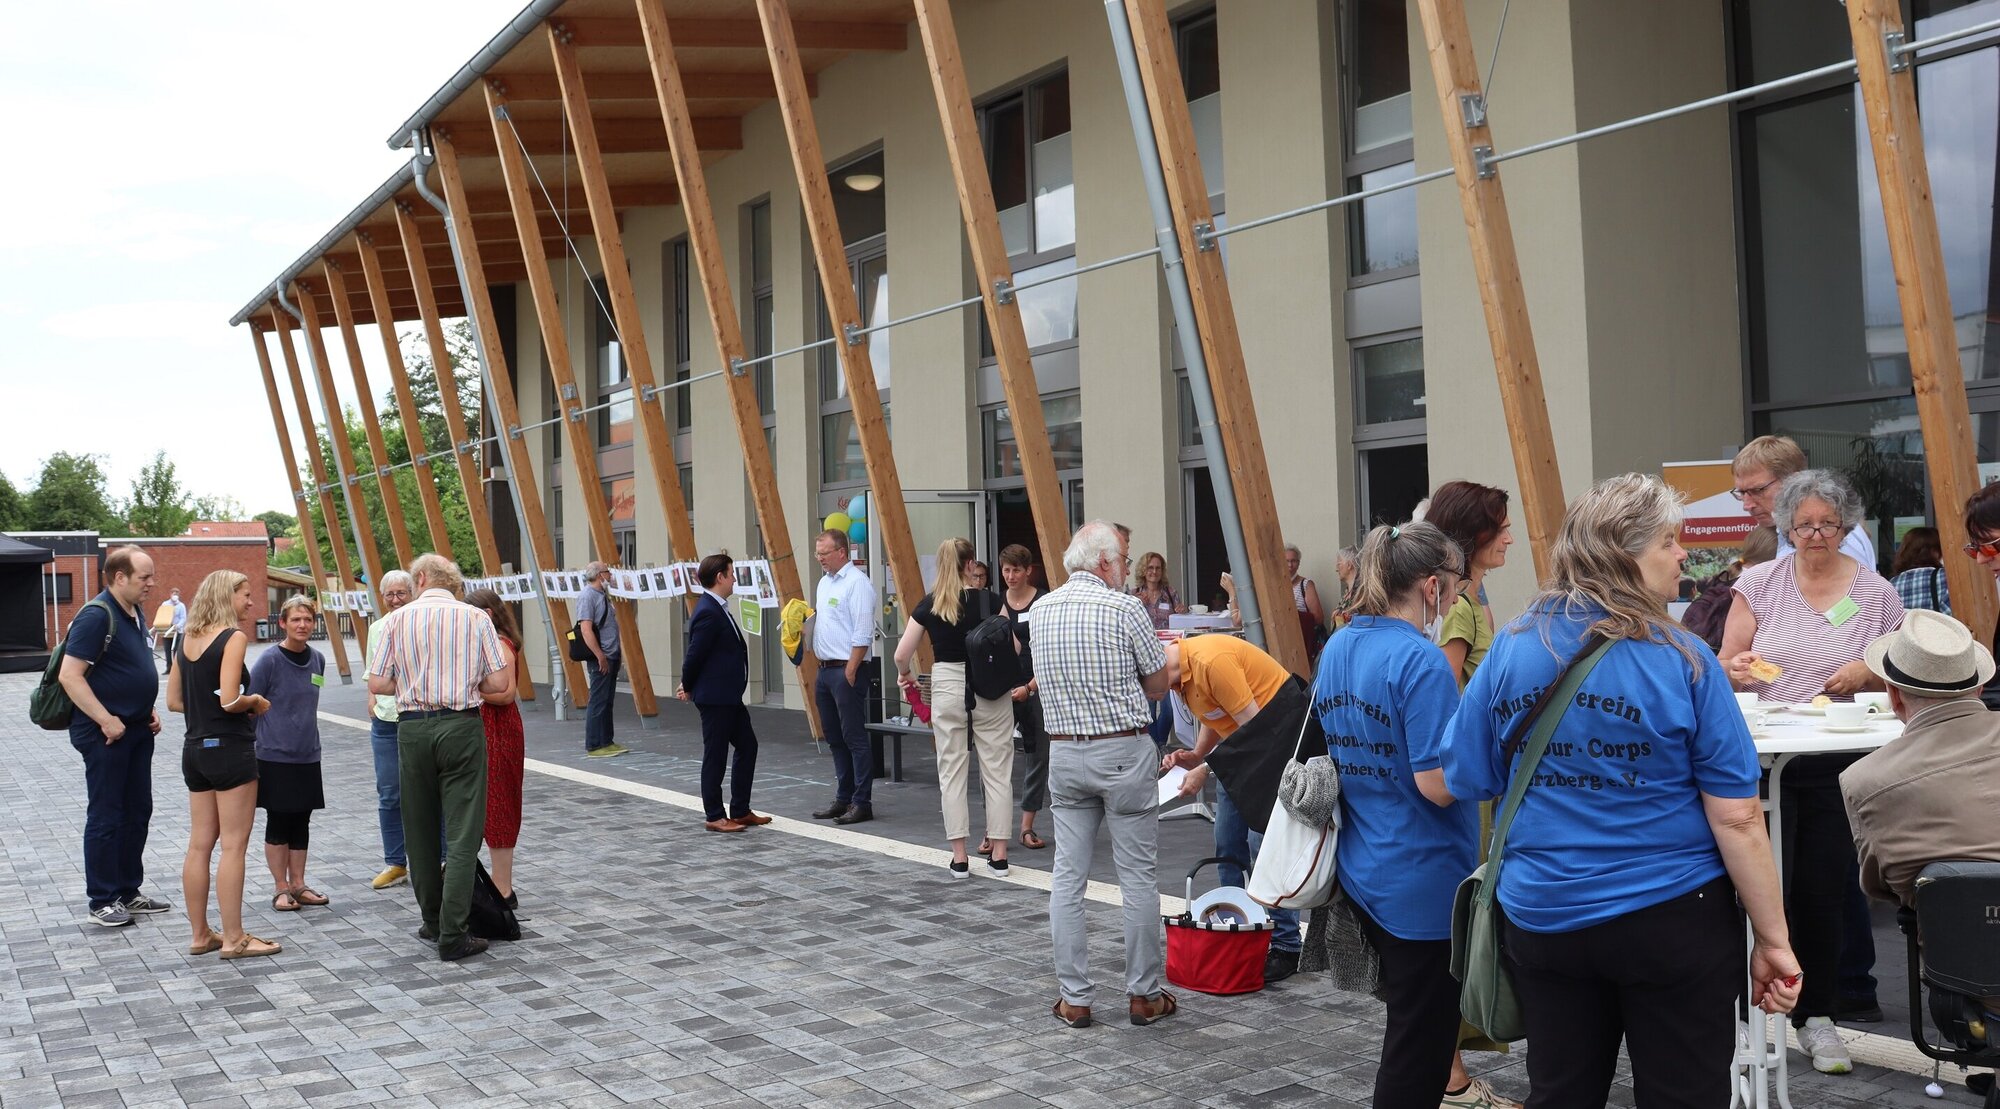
(1839, 730)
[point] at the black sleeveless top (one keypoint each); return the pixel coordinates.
(200, 678)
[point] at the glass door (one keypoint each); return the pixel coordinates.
(935, 516)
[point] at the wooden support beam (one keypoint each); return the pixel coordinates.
(582, 444)
(615, 136)
(406, 400)
(700, 33)
(1215, 319)
(657, 438)
(281, 322)
(503, 410)
(638, 85)
(308, 534)
(485, 202)
(705, 244)
(990, 263)
(371, 423)
(336, 430)
(885, 500)
(1895, 131)
(1455, 72)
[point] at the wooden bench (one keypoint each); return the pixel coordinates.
(892, 734)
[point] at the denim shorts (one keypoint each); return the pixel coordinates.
(218, 763)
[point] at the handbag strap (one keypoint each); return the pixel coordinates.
(1555, 703)
(1305, 725)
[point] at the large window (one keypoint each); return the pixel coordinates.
(62, 587)
(1828, 361)
(760, 324)
(613, 376)
(621, 503)
(860, 194)
(1389, 432)
(679, 300)
(1026, 132)
(1200, 55)
(1382, 233)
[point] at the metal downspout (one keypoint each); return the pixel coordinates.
(1190, 335)
(420, 165)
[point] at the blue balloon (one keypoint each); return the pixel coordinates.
(857, 509)
(858, 531)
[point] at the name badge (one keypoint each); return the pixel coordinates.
(1214, 715)
(319, 680)
(1165, 607)
(1842, 612)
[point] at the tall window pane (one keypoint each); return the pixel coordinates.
(1384, 228)
(1055, 199)
(1007, 162)
(1381, 74)
(1391, 379)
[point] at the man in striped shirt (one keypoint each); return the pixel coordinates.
(437, 656)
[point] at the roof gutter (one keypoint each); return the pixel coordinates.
(468, 75)
(382, 194)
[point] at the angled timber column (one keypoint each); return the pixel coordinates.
(659, 441)
(502, 409)
(1215, 318)
(885, 488)
(1455, 71)
(989, 261)
(307, 533)
(469, 478)
(281, 323)
(706, 244)
(406, 401)
(336, 430)
(371, 423)
(1896, 134)
(555, 337)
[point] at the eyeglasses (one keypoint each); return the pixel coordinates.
(1823, 531)
(1988, 549)
(1739, 494)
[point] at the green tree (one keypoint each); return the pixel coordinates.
(278, 524)
(71, 495)
(224, 507)
(160, 505)
(13, 506)
(464, 353)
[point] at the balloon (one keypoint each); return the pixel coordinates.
(857, 509)
(838, 521)
(858, 531)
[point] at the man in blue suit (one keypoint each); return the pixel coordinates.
(714, 676)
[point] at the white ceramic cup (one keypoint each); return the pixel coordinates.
(1846, 714)
(1746, 701)
(1753, 719)
(1197, 610)
(1876, 702)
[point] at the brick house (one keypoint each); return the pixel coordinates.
(179, 562)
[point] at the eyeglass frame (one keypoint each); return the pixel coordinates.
(1740, 494)
(1815, 531)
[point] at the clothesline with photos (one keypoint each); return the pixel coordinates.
(752, 576)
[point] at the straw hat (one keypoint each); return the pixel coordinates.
(1931, 655)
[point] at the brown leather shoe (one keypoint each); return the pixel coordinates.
(1146, 1010)
(723, 825)
(1076, 1016)
(751, 820)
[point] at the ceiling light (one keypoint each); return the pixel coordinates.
(863, 182)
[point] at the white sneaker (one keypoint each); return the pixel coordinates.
(1819, 1039)
(1479, 1095)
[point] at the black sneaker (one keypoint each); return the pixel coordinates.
(997, 866)
(1280, 965)
(960, 869)
(463, 949)
(141, 905)
(110, 916)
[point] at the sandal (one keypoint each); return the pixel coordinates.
(1032, 841)
(285, 895)
(214, 944)
(242, 949)
(306, 895)
(986, 847)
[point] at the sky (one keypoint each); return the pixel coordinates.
(165, 163)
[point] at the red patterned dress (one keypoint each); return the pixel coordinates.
(506, 753)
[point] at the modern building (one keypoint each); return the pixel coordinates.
(1690, 283)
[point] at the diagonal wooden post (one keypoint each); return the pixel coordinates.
(989, 261)
(336, 430)
(501, 404)
(658, 440)
(281, 323)
(308, 535)
(462, 452)
(1889, 98)
(1455, 71)
(706, 246)
(886, 506)
(1215, 317)
(371, 423)
(555, 339)
(406, 401)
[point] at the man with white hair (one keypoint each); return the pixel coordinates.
(597, 625)
(1098, 663)
(397, 590)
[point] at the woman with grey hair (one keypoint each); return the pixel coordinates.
(1797, 631)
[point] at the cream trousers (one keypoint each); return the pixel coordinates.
(991, 730)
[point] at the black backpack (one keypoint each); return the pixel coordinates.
(489, 917)
(992, 667)
(49, 705)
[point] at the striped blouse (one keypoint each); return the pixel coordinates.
(1800, 638)
(437, 649)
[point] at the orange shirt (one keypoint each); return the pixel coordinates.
(1222, 675)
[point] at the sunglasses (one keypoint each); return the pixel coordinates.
(1988, 549)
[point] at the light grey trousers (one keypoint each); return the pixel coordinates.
(1115, 782)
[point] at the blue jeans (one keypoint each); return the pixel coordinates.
(388, 790)
(1234, 838)
(118, 778)
(843, 715)
(597, 716)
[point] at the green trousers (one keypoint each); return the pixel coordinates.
(443, 772)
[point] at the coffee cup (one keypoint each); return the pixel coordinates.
(1197, 610)
(1746, 701)
(1846, 714)
(1876, 702)
(1753, 719)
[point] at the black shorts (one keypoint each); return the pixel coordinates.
(218, 763)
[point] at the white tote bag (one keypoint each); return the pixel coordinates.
(1295, 863)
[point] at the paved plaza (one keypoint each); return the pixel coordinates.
(792, 965)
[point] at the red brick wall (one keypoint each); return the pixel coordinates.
(83, 584)
(183, 565)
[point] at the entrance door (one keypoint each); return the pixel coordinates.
(1205, 555)
(935, 516)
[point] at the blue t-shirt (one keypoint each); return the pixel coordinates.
(1613, 822)
(121, 674)
(1383, 694)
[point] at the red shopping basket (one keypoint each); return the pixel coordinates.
(1217, 956)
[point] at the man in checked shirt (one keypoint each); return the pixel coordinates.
(1098, 663)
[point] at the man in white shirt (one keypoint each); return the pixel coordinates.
(844, 620)
(1761, 467)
